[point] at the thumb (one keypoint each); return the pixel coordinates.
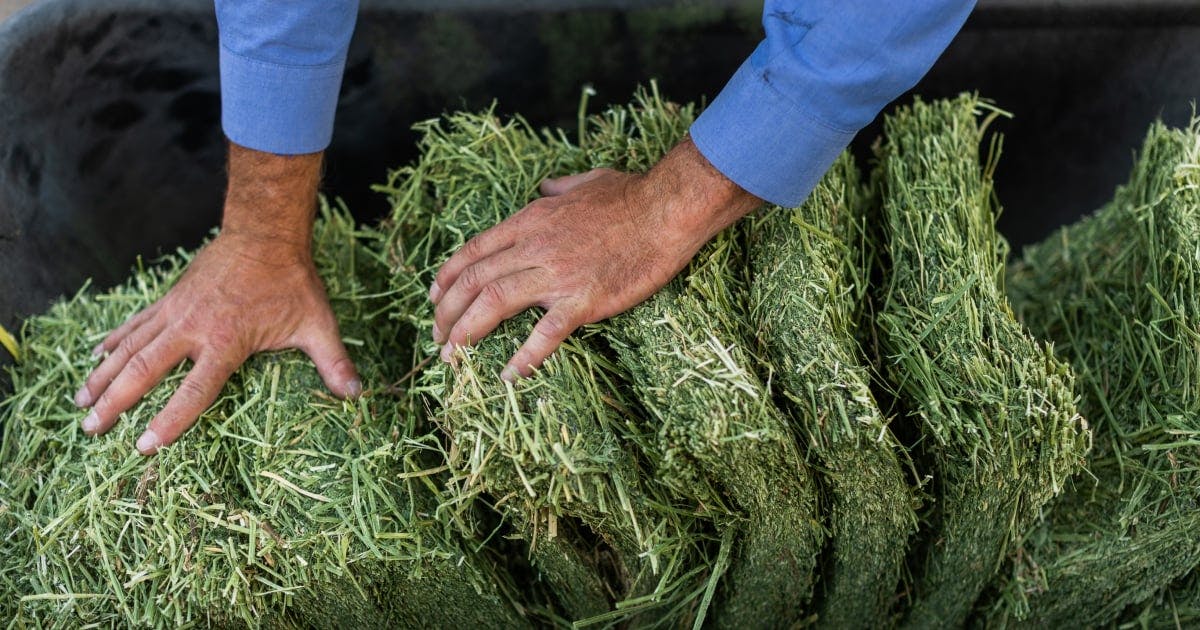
(324, 346)
(552, 187)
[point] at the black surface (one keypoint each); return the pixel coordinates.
(110, 143)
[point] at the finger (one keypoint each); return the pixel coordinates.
(497, 302)
(195, 394)
(492, 240)
(99, 380)
(552, 187)
(466, 288)
(139, 375)
(113, 339)
(324, 346)
(554, 327)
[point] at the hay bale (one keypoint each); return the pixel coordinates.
(722, 435)
(809, 269)
(561, 455)
(283, 507)
(1175, 607)
(999, 430)
(1117, 293)
(720, 441)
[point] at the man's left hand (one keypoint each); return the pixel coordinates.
(595, 245)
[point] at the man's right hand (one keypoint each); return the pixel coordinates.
(254, 288)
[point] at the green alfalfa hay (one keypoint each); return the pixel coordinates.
(283, 507)
(1177, 607)
(471, 170)
(1117, 293)
(722, 435)
(718, 438)
(808, 269)
(562, 452)
(995, 409)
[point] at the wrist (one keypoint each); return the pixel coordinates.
(698, 201)
(271, 200)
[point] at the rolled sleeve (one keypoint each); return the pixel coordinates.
(825, 70)
(281, 71)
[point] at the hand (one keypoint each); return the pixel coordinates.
(596, 245)
(253, 288)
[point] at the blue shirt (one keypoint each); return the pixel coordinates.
(824, 70)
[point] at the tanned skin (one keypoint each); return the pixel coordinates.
(595, 245)
(253, 288)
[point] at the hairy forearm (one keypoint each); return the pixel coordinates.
(271, 199)
(699, 200)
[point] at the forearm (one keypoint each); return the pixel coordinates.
(271, 199)
(698, 200)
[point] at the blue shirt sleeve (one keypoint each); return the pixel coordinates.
(281, 70)
(824, 71)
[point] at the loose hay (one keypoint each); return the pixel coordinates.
(995, 409)
(809, 269)
(283, 507)
(1117, 292)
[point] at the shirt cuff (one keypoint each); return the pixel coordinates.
(765, 143)
(275, 108)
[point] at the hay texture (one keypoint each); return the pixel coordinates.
(1117, 293)
(995, 409)
(563, 456)
(809, 271)
(283, 507)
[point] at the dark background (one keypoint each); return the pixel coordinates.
(110, 141)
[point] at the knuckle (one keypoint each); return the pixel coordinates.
(471, 278)
(493, 295)
(191, 392)
(190, 321)
(442, 277)
(537, 244)
(474, 248)
(104, 404)
(221, 337)
(127, 346)
(138, 367)
(555, 324)
(343, 364)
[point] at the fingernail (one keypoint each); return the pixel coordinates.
(83, 398)
(435, 292)
(148, 444)
(510, 374)
(90, 424)
(437, 333)
(354, 388)
(98, 351)
(447, 352)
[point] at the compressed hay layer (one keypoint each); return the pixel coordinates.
(721, 432)
(808, 267)
(721, 442)
(560, 454)
(282, 508)
(995, 408)
(1117, 292)
(1176, 607)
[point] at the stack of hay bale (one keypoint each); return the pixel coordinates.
(831, 416)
